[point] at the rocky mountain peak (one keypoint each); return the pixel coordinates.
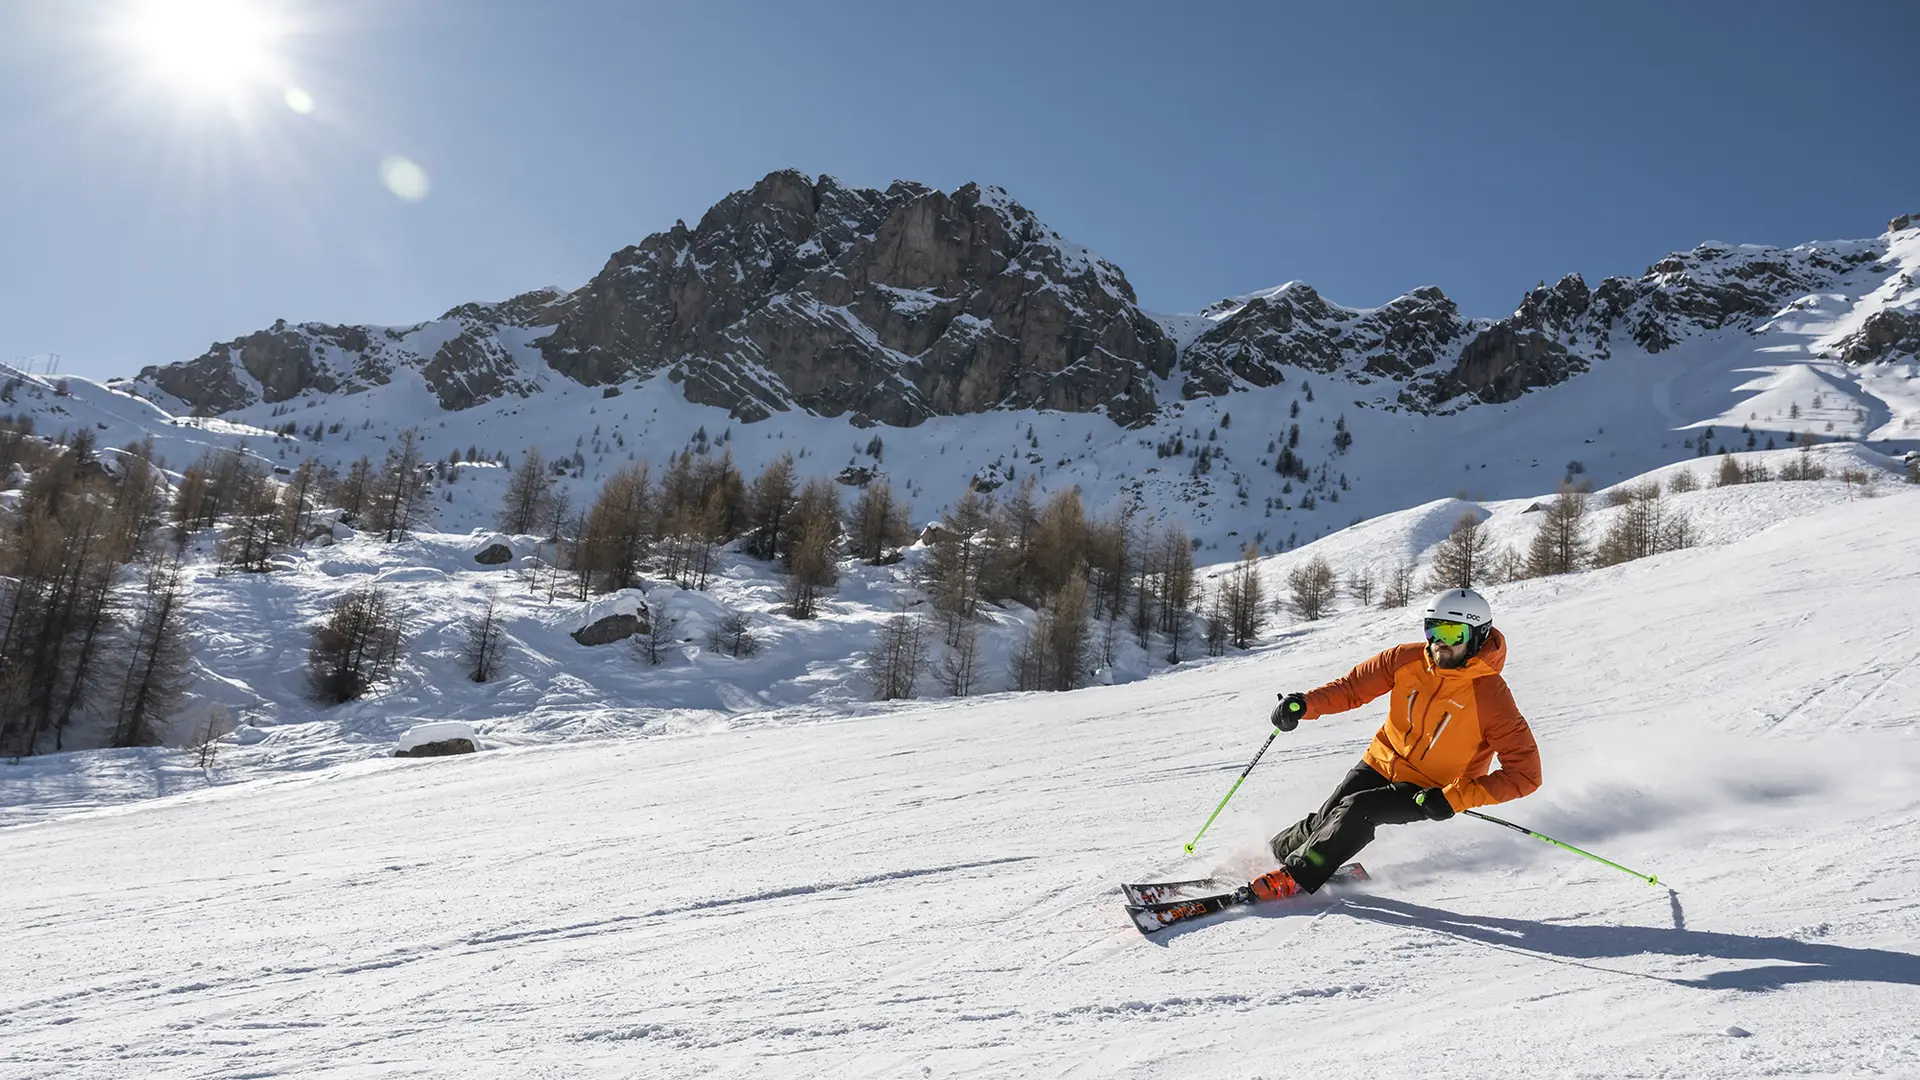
(892, 306)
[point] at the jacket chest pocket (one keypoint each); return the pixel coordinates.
(1411, 702)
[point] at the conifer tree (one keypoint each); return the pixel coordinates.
(619, 529)
(1312, 587)
(357, 646)
(877, 523)
(156, 657)
(810, 563)
(1560, 547)
(529, 494)
(1645, 526)
(956, 562)
(899, 651)
(1243, 600)
(398, 499)
(352, 491)
(486, 643)
(770, 501)
(1463, 558)
(1176, 587)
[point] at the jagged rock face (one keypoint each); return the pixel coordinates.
(469, 364)
(1884, 335)
(1715, 286)
(890, 306)
(898, 305)
(1557, 309)
(281, 361)
(1419, 340)
(1504, 361)
(1295, 326)
(1443, 361)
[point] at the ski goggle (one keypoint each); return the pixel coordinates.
(1448, 633)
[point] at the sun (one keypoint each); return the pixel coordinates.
(215, 47)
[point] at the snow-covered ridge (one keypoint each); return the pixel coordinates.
(1761, 346)
(917, 275)
(952, 304)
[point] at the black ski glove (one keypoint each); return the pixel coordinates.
(1433, 803)
(1287, 714)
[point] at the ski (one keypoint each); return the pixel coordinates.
(1151, 918)
(1161, 892)
(1156, 916)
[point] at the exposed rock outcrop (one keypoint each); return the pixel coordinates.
(608, 630)
(887, 306)
(1444, 361)
(1884, 335)
(440, 748)
(892, 306)
(494, 555)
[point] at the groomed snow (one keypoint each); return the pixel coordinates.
(930, 891)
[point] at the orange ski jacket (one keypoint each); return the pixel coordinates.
(1444, 725)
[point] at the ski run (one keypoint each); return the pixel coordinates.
(931, 889)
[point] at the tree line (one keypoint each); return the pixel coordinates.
(1090, 580)
(91, 599)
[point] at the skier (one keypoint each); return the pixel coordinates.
(1450, 715)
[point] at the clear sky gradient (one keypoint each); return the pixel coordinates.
(1208, 149)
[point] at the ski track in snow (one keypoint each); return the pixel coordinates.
(932, 892)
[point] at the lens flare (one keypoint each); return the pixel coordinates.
(404, 178)
(299, 100)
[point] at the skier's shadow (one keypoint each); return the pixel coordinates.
(1792, 961)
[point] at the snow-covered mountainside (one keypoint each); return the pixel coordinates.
(251, 633)
(931, 892)
(800, 313)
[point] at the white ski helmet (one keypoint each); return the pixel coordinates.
(1463, 606)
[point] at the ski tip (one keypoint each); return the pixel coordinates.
(1144, 920)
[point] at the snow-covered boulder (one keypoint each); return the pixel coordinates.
(495, 554)
(614, 617)
(438, 740)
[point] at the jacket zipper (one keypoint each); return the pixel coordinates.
(1413, 740)
(1444, 718)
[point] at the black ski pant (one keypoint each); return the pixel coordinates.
(1323, 841)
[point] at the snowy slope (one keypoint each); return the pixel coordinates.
(1631, 412)
(250, 634)
(930, 893)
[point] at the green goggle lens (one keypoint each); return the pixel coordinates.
(1448, 633)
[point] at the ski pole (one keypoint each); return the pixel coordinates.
(1231, 790)
(1650, 879)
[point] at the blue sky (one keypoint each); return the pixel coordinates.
(1208, 149)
